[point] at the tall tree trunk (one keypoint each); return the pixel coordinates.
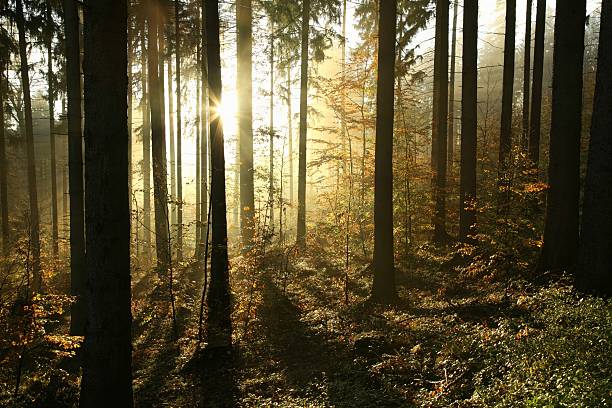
(198, 120)
(204, 135)
(593, 274)
(4, 211)
(219, 324)
(244, 22)
(536, 92)
(451, 97)
(301, 218)
(562, 204)
(290, 137)
(78, 276)
(172, 146)
(527, 76)
(383, 288)
(51, 100)
(179, 137)
(439, 123)
(505, 138)
(29, 141)
(271, 154)
(469, 94)
(107, 364)
(158, 141)
(146, 142)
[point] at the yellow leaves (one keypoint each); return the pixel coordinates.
(416, 349)
(538, 187)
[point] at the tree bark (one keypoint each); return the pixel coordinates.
(383, 288)
(536, 92)
(526, 77)
(158, 141)
(107, 364)
(172, 146)
(505, 138)
(78, 276)
(595, 264)
(562, 205)
(51, 101)
(469, 94)
(271, 153)
(179, 137)
(4, 211)
(451, 97)
(31, 159)
(439, 122)
(146, 142)
(219, 324)
(244, 22)
(301, 218)
(204, 136)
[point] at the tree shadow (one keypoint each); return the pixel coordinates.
(307, 364)
(217, 377)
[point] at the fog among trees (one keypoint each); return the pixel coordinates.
(305, 203)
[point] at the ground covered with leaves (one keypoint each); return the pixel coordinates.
(307, 336)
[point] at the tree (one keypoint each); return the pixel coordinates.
(301, 218)
(505, 138)
(179, 150)
(594, 268)
(219, 324)
(244, 22)
(536, 92)
(526, 77)
(4, 212)
(146, 138)
(31, 160)
(107, 364)
(439, 121)
(383, 288)
(560, 245)
(50, 26)
(158, 139)
(204, 137)
(78, 275)
(451, 96)
(469, 93)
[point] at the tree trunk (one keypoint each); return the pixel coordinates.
(171, 136)
(31, 160)
(451, 97)
(562, 205)
(439, 123)
(146, 143)
(527, 76)
(469, 94)
(198, 120)
(290, 137)
(51, 100)
(158, 141)
(383, 288)
(107, 364)
(219, 324)
(536, 92)
(593, 274)
(204, 136)
(271, 154)
(78, 276)
(301, 218)
(4, 212)
(244, 22)
(505, 138)
(179, 137)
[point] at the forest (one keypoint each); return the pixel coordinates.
(305, 203)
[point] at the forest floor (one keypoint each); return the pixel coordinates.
(450, 340)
